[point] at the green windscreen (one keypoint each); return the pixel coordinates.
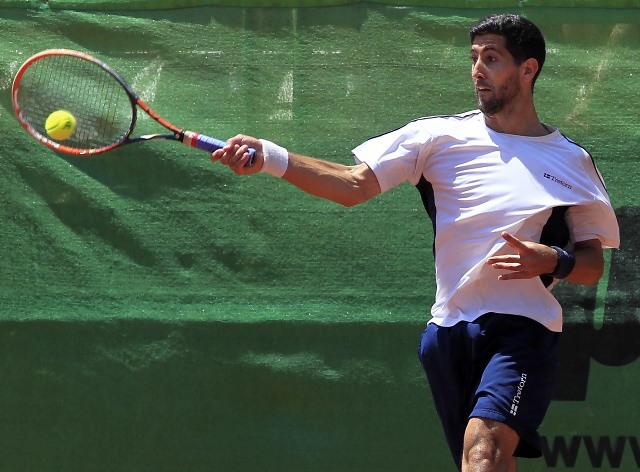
(93, 5)
(159, 312)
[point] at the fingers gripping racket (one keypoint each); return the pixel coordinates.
(103, 104)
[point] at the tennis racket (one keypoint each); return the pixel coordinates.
(103, 104)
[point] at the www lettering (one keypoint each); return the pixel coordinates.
(604, 451)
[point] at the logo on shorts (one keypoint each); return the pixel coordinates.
(516, 399)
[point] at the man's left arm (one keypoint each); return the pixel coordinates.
(589, 263)
(534, 259)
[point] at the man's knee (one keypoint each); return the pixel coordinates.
(489, 446)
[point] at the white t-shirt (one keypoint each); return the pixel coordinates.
(477, 183)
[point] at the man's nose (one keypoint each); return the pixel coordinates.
(477, 70)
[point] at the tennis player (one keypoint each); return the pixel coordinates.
(515, 206)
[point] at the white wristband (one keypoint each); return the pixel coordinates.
(276, 158)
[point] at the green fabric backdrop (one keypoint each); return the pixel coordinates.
(94, 5)
(160, 313)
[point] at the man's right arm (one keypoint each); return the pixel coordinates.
(346, 185)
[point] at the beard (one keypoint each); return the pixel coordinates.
(501, 98)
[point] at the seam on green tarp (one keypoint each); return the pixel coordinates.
(89, 5)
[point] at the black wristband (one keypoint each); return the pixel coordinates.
(566, 263)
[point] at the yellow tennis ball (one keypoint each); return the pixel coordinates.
(60, 125)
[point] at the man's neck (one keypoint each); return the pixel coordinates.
(515, 121)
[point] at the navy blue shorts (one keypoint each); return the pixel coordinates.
(499, 367)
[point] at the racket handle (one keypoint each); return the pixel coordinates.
(209, 144)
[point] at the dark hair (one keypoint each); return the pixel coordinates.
(523, 39)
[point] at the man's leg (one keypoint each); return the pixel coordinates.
(489, 446)
(486, 374)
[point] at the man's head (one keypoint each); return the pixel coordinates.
(523, 39)
(507, 53)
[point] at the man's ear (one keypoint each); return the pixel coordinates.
(529, 69)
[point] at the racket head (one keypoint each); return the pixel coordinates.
(102, 103)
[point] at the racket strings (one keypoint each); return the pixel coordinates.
(102, 108)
